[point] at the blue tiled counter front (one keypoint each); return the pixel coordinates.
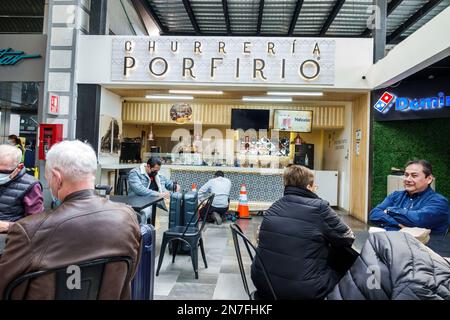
(264, 186)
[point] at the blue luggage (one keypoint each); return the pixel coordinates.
(189, 209)
(176, 206)
(183, 205)
(143, 282)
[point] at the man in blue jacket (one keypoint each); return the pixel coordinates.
(146, 181)
(417, 206)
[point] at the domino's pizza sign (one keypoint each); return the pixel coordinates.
(385, 102)
(393, 107)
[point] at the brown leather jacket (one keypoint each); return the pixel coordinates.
(84, 227)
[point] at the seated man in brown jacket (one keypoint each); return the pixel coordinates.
(83, 227)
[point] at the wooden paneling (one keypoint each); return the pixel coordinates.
(136, 94)
(324, 116)
(359, 162)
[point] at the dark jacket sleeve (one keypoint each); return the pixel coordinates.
(335, 230)
(16, 258)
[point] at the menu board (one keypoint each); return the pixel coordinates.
(291, 120)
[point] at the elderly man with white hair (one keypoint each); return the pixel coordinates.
(83, 227)
(20, 193)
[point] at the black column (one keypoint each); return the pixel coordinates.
(97, 17)
(379, 32)
(88, 113)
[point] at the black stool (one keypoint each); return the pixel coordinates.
(122, 183)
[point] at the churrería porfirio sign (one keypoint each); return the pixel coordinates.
(10, 57)
(232, 60)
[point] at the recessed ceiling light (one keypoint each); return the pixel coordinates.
(196, 91)
(168, 97)
(286, 93)
(267, 99)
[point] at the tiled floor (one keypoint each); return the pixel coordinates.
(221, 280)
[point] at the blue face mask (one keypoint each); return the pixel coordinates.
(56, 202)
(6, 177)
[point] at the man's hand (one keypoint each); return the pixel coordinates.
(385, 211)
(165, 195)
(401, 226)
(4, 226)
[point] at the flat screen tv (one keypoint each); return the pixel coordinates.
(249, 119)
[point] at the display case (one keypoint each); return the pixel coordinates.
(238, 160)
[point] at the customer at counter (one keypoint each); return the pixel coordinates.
(146, 181)
(221, 187)
(417, 206)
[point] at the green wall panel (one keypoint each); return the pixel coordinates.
(396, 142)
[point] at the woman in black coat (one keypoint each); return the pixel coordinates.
(297, 236)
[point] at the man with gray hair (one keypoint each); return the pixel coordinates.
(20, 193)
(84, 227)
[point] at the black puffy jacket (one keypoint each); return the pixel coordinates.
(395, 266)
(12, 194)
(294, 244)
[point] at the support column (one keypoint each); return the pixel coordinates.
(379, 32)
(97, 21)
(67, 21)
(88, 113)
(89, 95)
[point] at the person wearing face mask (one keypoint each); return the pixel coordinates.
(417, 206)
(146, 181)
(299, 238)
(15, 141)
(20, 193)
(85, 227)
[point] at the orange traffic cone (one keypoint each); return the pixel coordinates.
(243, 210)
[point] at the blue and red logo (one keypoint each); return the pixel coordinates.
(404, 104)
(385, 102)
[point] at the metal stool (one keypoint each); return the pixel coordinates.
(122, 183)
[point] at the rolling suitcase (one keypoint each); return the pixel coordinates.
(176, 203)
(183, 205)
(189, 208)
(175, 209)
(143, 282)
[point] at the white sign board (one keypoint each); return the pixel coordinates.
(232, 60)
(298, 121)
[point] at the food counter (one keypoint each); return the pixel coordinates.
(262, 184)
